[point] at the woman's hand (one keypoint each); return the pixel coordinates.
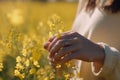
(72, 45)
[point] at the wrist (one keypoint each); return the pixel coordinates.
(98, 64)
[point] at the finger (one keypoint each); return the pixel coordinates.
(46, 45)
(69, 57)
(66, 50)
(63, 43)
(48, 42)
(55, 47)
(52, 43)
(58, 45)
(55, 40)
(51, 39)
(69, 35)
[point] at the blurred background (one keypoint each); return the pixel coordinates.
(44, 0)
(31, 12)
(25, 25)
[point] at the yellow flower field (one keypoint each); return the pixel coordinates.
(24, 27)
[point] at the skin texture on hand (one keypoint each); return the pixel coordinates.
(72, 45)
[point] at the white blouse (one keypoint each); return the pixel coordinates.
(100, 27)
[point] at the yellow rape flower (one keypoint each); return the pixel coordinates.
(46, 78)
(52, 75)
(67, 76)
(31, 58)
(18, 59)
(24, 52)
(1, 66)
(36, 64)
(22, 76)
(27, 63)
(36, 56)
(19, 66)
(32, 71)
(58, 66)
(9, 45)
(68, 64)
(50, 34)
(59, 33)
(18, 74)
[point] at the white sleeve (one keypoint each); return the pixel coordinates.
(111, 67)
(81, 5)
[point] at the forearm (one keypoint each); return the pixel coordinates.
(100, 61)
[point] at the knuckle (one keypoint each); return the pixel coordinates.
(76, 34)
(51, 51)
(76, 39)
(63, 35)
(60, 41)
(73, 33)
